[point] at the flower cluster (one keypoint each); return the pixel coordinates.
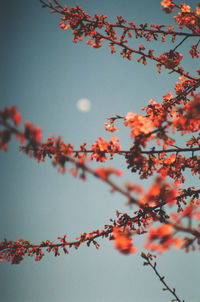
(160, 191)
(141, 127)
(188, 19)
(9, 114)
(168, 6)
(140, 124)
(123, 241)
(101, 147)
(163, 234)
(170, 59)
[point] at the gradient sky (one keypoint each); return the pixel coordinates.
(45, 74)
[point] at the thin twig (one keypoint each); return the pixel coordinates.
(148, 258)
(180, 43)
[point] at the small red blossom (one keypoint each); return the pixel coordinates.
(110, 128)
(168, 96)
(104, 173)
(185, 8)
(168, 6)
(64, 26)
(132, 187)
(17, 118)
(123, 241)
(194, 51)
(114, 139)
(138, 123)
(198, 10)
(32, 132)
(188, 211)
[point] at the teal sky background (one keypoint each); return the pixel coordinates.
(45, 74)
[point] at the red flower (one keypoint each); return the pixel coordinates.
(168, 6)
(170, 59)
(123, 241)
(17, 118)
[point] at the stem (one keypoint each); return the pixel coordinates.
(155, 31)
(180, 43)
(161, 278)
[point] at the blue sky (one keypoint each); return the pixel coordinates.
(45, 74)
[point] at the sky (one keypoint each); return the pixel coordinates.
(44, 74)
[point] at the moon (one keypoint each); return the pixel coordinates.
(83, 105)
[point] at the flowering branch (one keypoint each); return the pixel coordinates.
(83, 25)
